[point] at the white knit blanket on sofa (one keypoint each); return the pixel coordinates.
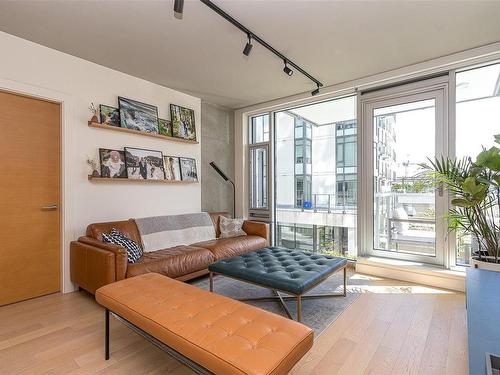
(161, 232)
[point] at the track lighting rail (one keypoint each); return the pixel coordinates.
(253, 36)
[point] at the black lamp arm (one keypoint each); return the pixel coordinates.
(223, 175)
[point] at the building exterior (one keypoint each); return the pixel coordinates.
(316, 173)
(316, 182)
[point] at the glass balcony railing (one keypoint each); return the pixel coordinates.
(323, 202)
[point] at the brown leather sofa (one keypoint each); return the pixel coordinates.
(95, 263)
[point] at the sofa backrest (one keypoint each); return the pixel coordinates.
(161, 232)
(127, 227)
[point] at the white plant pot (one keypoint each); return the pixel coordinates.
(490, 266)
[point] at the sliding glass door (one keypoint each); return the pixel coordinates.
(404, 128)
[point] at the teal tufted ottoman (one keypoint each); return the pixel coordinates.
(293, 272)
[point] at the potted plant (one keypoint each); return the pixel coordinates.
(475, 190)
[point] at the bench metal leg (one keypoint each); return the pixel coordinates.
(106, 334)
(198, 369)
(211, 277)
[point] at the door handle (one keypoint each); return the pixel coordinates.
(51, 207)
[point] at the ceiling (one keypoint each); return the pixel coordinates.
(336, 41)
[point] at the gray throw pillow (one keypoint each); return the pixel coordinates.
(231, 227)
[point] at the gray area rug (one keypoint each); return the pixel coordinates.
(316, 313)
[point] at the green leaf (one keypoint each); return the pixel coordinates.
(462, 202)
(497, 180)
(489, 159)
(472, 187)
(497, 138)
(476, 170)
(469, 185)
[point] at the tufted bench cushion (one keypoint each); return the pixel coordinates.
(287, 270)
(222, 335)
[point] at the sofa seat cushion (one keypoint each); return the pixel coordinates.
(223, 335)
(229, 247)
(173, 262)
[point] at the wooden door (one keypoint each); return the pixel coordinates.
(30, 132)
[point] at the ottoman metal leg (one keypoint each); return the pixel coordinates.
(299, 308)
(345, 281)
(282, 298)
(283, 304)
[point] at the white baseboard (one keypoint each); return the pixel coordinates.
(413, 272)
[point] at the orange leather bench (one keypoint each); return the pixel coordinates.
(208, 332)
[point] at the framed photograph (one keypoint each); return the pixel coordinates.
(109, 115)
(172, 168)
(112, 163)
(138, 116)
(165, 127)
(188, 169)
(182, 122)
(144, 164)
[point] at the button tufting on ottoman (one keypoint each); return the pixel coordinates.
(291, 271)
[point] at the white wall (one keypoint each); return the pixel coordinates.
(32, 69)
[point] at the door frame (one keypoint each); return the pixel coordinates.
(424, 89)
(265, 215)
(260, 213)
(66, 139)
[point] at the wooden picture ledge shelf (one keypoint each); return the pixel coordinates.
(138, 132)
(108, 179)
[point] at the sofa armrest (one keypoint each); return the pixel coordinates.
(256, 228)
(90, 266)
(120, 254)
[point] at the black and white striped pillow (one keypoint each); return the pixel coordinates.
(134, 252)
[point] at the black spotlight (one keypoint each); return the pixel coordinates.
(315, 92)
(287, 70)
(178, 8)
(248, 46)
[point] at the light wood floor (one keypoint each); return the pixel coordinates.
(392, 328)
